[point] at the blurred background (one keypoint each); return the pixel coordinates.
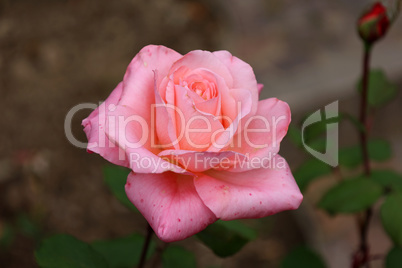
(55, 54)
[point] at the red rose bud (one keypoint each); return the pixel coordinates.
(374, 24)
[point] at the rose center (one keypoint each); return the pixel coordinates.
(200, 88)
(205, 89)
(199, 82)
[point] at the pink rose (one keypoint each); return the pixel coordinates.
(200, 144)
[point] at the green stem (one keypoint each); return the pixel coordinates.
(145, 247)
(364, 109)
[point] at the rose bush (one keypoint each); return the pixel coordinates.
(200, 145)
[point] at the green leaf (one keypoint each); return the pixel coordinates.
(309, 171)
(239, 228)
(394, 258)
(178, 257)
(317, 129)
(351, 196)
(379, 150)
(388, 179)
(123, 252)
(380, 89)
(314, 131)
(391, 217)
(115, 178)
(303, 257)
(225, 238)
(65, 251)
(319, 144)
(351, 157)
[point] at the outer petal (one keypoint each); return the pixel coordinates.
(143, 75)
(135, 92)
(252, 194)
(260, 137)
(131, 133)
(170, 204)
(94, 127)
(138, 82)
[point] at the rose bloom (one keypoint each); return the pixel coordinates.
(200, 145)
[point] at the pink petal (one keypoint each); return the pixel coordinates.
(242, 73)
(170, 116)
(170, 203)
(138, 82)
(211, 106)
(261, 136)
(201, 161)
(133, 135)
(165, 122)
(260, 87)
(243, 105)
(94, 127)
(252, 194)
(195, 129)
(199, 59)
